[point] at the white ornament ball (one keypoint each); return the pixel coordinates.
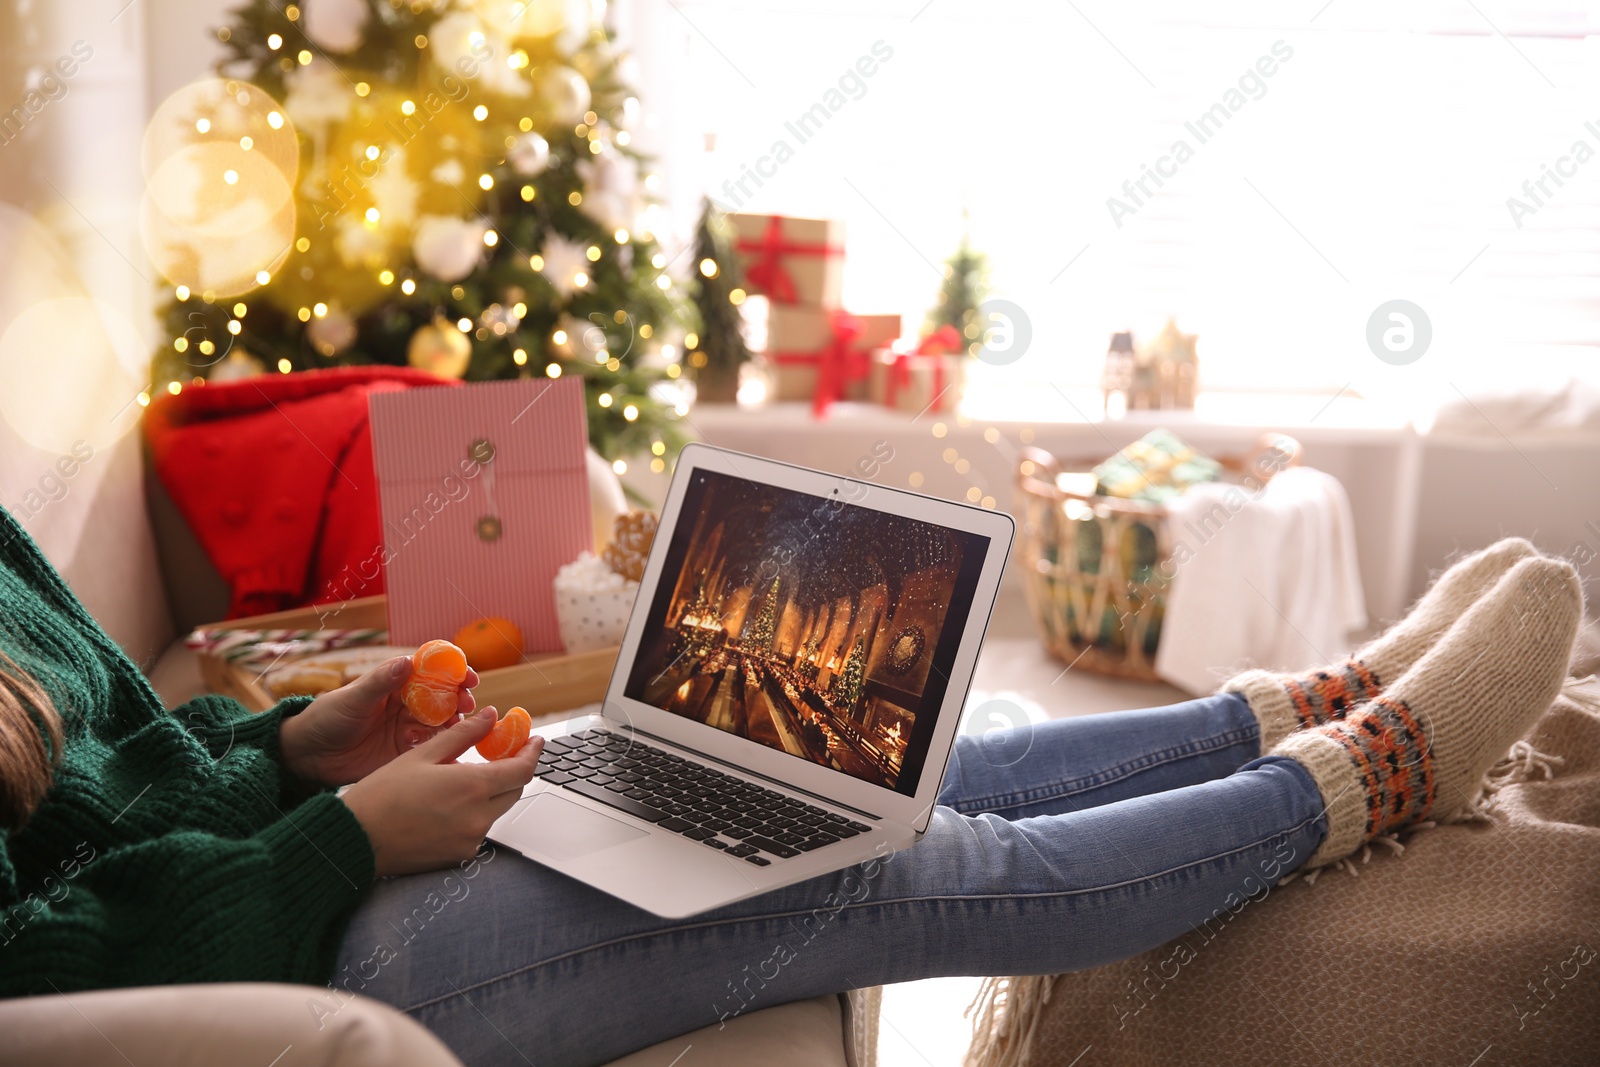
(529, 155)
(563, 259)
(447, 247)
(333, 333)
(455, 39)
(239, 365)
(564, 94)
(334, 25)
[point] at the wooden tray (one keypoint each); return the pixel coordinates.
(547, 684)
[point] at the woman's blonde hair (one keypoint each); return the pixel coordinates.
(30, 744)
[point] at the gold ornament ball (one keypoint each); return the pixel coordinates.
(439, 348)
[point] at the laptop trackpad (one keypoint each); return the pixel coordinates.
(555, 827)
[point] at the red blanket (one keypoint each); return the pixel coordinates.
(274, 474)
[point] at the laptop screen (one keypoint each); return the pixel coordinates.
(807, 624)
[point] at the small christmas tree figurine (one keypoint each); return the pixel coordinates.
(954, 319)
(721, 350)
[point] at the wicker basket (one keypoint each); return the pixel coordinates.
(1097, 568)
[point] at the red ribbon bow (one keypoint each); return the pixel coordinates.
(900, 377)
(945, 341)
(765, 270)
(838, 363)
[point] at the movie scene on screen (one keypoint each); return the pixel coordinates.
(816, 627)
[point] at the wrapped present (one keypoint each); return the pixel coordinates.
(484, 490)
(916, 382)
(823, 355)
(790, 260)
(1155, 469)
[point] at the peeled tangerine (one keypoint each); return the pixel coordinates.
(508, 735)
(432, 692)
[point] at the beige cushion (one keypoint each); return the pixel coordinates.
(206, 1025)
(806, 1033)
(1479, 941)
(202, 1025)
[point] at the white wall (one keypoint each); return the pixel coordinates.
(75, 294)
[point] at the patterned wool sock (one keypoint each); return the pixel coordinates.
(1285, 702)
(1420, 749)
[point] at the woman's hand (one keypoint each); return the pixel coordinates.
(345, 735)
(423, 811)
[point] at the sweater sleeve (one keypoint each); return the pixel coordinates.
(193, 907)
(222, 724)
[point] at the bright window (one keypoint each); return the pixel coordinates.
(1331, 160)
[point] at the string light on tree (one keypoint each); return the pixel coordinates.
(378, 166)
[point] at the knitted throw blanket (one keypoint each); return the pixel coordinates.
(1481, 940)
(274, 475)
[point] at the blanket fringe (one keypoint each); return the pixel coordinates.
(1522, 763)
(1584, 692)
(1005, 1017)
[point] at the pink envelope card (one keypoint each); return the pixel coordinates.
(485, 495)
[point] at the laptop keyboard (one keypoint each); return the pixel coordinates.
(721, 811)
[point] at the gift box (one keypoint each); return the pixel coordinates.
(484, 494)
(916, 383)
(790, 260)
(823, 355)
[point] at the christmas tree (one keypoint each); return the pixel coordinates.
(956, 314)
(760, 632)
(449, 183)
(852, 677)
(718, 290)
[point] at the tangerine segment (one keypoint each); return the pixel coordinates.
(508, 735)
(441, 658)
(437, 670)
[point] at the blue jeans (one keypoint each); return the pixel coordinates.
(1057, 847)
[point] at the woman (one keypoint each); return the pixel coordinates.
(206, 844)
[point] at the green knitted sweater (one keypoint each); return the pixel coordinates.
(172, 846)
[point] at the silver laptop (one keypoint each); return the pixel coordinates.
(787, 693)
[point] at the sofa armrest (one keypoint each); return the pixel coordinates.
(203, 1025)
(804, 1033)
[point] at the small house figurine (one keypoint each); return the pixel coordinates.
(1165, 372)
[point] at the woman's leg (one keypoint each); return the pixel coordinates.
(1071, 764)
(510, 963)
(519, 964)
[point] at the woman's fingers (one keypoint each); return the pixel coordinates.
(506, 777)
(451, 742)
(374, 687)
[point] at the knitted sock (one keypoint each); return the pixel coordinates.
(1285, 702)
(1420, 749)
